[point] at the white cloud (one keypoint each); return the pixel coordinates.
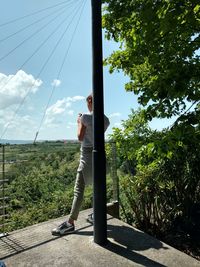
(56, 83)
(15, 126)
(70, 112)
(59, 108)
(14, 88)
(75, 98)
(116, 114)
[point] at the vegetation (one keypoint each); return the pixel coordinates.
(158, 51)
(159, 181)
(159, 171)
(159, 45)
(41, 182)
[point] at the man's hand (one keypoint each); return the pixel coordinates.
(79, 118)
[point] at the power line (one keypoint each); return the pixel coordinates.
(59, 72)
(34, 13)
(41, 70)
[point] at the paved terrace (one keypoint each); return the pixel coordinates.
(34, 246)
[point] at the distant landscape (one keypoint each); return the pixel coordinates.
(39, 181)
(154, 194)
(21, 142)
(17, 142)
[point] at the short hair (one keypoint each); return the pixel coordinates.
(89, 98)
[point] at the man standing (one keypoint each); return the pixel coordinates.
(84, 172)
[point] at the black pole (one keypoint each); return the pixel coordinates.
(99, 161)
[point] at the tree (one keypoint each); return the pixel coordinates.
(159, 42)
(159, 188)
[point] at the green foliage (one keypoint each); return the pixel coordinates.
(159, 41)
(163, 191)
(41, 182)
(159, 45)
(134, 134)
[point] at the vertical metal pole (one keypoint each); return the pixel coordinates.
(114, 173)
(99, 161)
(115, 180)
(3, 178)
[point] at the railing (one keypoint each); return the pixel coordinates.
(25, 167)
(113, 206)
(3, 193)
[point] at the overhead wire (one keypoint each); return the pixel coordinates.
(41, 70)
(59, 72)
(25, 40)
(34, 13)
(48, 37)
(31, 24)
(39, 47)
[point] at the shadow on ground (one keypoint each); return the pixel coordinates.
(11, 245)
(125, 241)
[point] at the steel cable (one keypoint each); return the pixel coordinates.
(60, 70)
(34, 13)
(43, 67)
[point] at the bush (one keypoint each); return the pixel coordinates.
(163, 192)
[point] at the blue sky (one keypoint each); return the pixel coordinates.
(29, 75)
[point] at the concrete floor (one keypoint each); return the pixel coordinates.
(34, 246)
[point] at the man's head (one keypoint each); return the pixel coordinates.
(89, 102)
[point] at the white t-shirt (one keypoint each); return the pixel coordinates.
(87, 121)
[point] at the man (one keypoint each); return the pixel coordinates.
(84, 172)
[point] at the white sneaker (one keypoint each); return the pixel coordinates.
(63, 229)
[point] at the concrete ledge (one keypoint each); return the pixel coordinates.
(34, 246)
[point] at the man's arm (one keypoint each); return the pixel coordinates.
(81, 128)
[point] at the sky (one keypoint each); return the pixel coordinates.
(46, 71)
